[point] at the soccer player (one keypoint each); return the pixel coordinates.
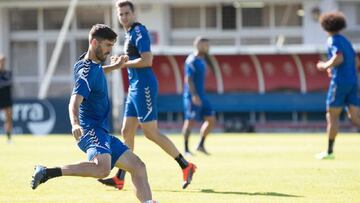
(341, 66)
(88, 110)
(196, 105)
(5, 97)
(142, 95)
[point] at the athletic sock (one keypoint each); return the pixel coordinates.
(330, 146)
(181, 161)
(186, 138)
(53, 172)
(201, 143)
(121, 174)
(8, 135)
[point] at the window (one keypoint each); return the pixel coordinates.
(54, 18)
(228, 18)
(23, 19)
(288, 15)
(88, 16)
(255, 41)
(210, 17)
(185, 17)
(256, 17)
(26, 90)
(60, 89)
(358, 14)
(23, 63)
(63, 66)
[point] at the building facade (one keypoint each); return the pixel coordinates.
(30, 30)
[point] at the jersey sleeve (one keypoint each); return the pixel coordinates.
(142, 40)
(190, 69)
(83, 82)
(335, 47)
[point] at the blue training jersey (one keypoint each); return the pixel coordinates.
(137, 41)
(345, 73)
(195, 68)
(90, 82)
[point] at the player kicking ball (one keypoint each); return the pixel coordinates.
(343, 89)
(88, 110)
(141, 103)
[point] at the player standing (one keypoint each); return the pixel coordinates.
(343, 89)
(5, 97)
(142, 95)
(88, 110)
(196, 105)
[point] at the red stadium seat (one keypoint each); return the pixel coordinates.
(280, 72)
(238, 73)
(165, 74)
(315, 80)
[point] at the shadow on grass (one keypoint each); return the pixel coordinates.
(211, 191)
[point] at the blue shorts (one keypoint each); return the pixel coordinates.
(194, 112)
(142, 103)
(342, 95)
(97, 141)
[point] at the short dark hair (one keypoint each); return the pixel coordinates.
(199, 39)
(101, 32)
(332, 21)
(122, 3)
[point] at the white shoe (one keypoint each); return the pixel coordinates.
(325, 156)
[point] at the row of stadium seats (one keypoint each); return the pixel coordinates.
(246, 73)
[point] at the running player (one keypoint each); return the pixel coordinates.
(88, 110)
(196, 105)
(343, 89)
(5, 97)
(142, 95)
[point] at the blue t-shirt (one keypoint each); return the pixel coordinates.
(137, 41)
(90, 82)
(345, 73)
(195, 68)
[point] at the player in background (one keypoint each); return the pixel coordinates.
(89, 110)
(341, 66)
(6, 98)
(196, 105)
(140, 108)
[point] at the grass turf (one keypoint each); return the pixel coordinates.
(242, 168)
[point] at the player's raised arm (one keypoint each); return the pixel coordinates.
(335, 60)
(74, 106)
(115, 63)
(144, 61)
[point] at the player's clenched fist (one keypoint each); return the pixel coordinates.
(77, 131)
(119, 61)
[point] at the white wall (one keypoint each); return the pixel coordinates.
(153, 16)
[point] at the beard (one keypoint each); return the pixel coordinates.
(100, 55)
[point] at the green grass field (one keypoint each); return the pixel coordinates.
(242, 168)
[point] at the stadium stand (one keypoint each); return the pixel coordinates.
(315, 80)
(238, 72)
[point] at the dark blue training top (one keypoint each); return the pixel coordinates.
(345, 73)
(90, 82)
(195, 68)
(137, 41)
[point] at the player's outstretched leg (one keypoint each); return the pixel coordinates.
(206, 128)
(130, 125)
(152, 132)
(186, 131)
(332, 117)
(131, 163)
(38, 177)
